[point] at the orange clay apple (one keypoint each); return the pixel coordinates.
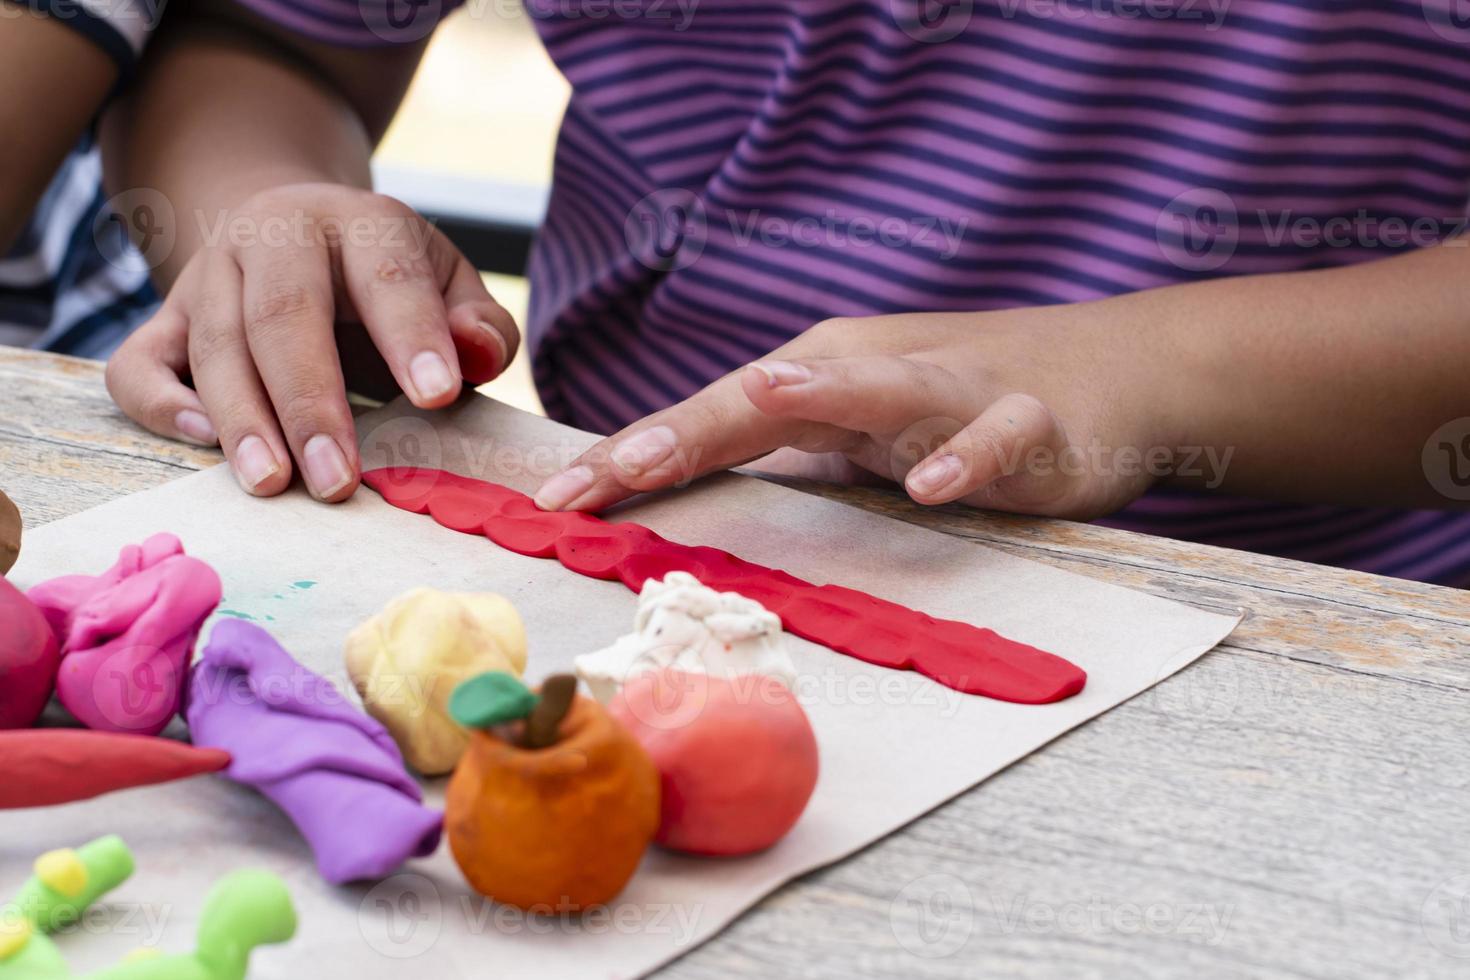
(736, 756)
(552, 814)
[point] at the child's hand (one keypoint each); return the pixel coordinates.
(1042, 411)
(251, 320)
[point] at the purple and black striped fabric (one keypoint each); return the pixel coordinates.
(730, 172)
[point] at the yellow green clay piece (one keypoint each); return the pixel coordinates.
(15, 932)
(84, 875)
(243, 910)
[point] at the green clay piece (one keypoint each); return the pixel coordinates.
(243, 910)
(104, 863)
(35, 958)
(491, 698)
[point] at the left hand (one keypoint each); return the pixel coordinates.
(1037, 411)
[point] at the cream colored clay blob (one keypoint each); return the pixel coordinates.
(684, 624)
(406, 661)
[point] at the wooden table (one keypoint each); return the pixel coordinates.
(1296, 804)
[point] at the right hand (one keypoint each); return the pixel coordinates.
(251, 322)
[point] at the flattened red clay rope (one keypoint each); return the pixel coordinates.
(960, 656)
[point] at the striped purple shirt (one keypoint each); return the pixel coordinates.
(730, 172)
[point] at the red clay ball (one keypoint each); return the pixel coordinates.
(29, 659)
(737, 758)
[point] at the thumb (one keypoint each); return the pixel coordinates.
(144, 378)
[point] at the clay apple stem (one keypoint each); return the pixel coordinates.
(543, 724)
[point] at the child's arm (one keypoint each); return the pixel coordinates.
(227, 106)
(1316, 386)
(260, 142)
(55, 81)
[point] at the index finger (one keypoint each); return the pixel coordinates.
(289, 312)
(714, 430)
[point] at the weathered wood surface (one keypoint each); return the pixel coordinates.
(1297, 804)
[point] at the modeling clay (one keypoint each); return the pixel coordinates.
(543, 724)
(333, 770)
(47, 766)
(10, 531)
(126, 635)
(406, 661)
(682, 624)
(67, 881)
(737, 758)
(556, 828)
(29, 659)
(957, 655)
(242, 911)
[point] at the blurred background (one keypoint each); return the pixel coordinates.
(477, 132)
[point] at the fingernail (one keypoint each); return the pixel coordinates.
(564, 488)
(326, 467)
(936, 474)
(781, 373)
(430, 375)
(498, 341)
(642, 452)
(254, 462)
(196, 427)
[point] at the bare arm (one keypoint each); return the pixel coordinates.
(56, 81)
(228, 106)
(1324, 385)
(1320, 387)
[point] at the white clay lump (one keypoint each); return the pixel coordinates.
(688, 626)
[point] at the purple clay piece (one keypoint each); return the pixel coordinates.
(293, 736)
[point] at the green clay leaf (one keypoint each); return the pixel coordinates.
(491, 698)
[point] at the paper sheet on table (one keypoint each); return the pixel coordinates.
(893, 744)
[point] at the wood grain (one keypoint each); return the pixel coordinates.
(1294, 805)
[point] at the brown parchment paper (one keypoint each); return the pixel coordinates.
(893, 744)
